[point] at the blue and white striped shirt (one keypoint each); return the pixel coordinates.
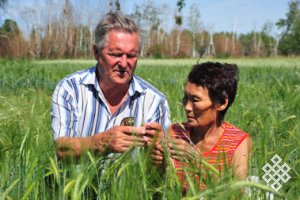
(79, 108)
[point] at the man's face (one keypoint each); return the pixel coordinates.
(117, 60)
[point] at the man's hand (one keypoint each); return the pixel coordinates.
(121, 138)
(154, 133)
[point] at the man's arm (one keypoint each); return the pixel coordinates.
(116, 139)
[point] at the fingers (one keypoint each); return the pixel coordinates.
(157, 156)
(154, 133)
(153, 126)
(122, 138)
(131, 130)
(179, 148)
(125, 145)
(134, 134)
(154, 129)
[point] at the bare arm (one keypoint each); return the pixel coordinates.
(116, 139)
(239, 163)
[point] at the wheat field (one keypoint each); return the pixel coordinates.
(267, 106)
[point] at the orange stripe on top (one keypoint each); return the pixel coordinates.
(225, 147)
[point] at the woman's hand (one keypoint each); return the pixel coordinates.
(181, 149)
(157, 155)
(155, 135)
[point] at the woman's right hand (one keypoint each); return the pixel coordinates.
(157, 155)
(181, 149)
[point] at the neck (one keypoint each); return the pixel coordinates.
(207, 133)
(114, 95)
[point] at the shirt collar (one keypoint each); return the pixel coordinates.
(91, 79)
(135, 86)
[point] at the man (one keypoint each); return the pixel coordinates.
(88, 106)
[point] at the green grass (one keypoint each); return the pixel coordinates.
(267, 107)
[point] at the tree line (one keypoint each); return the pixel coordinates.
(67, 32)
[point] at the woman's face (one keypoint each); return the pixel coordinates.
(200, 110)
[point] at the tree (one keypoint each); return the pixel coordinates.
(246, 41)
(2, 3)
(148, 18)
(115, 5)
(289, 43)
(195, 26)
(178, 22)
(11, 40)
(9, 27)
(269, 42)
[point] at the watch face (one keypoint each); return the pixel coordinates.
(127, 121)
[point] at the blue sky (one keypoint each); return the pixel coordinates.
(221, 15)
(216, 15)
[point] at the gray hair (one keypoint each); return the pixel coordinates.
(114, 21)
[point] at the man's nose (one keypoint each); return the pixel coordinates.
(123, 61)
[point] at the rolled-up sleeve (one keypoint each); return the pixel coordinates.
(64, 120)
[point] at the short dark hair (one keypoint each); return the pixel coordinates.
(219, 79)
(114, 21)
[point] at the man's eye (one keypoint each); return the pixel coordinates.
(133, 55)
(117, 55)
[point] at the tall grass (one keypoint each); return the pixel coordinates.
(267, 107)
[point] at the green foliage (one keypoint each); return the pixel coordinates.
(290, 43)
(9, 27)
(267, 107)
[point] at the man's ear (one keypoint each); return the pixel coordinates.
(96, 52)
(222, 107)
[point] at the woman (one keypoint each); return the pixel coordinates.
(208, 93)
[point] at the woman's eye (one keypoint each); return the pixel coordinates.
(195, 100)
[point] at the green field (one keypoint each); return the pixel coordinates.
(267, 107)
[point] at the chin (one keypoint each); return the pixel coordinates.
(190, 123)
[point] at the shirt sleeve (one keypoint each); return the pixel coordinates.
(64, 119)
(162, 115)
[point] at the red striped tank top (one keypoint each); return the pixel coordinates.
(221, 153)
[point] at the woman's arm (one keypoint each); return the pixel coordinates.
(241, 156)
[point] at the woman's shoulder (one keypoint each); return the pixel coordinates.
(232, 130)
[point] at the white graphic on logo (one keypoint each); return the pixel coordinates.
(276, 173)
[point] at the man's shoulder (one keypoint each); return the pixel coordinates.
(78, 76)
(81, 73)
(148, 87)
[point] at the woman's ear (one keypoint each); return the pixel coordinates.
(221, 107)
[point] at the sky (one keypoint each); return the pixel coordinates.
(222, 15)
(242, 16)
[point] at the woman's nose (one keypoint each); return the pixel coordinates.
(187, 105)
